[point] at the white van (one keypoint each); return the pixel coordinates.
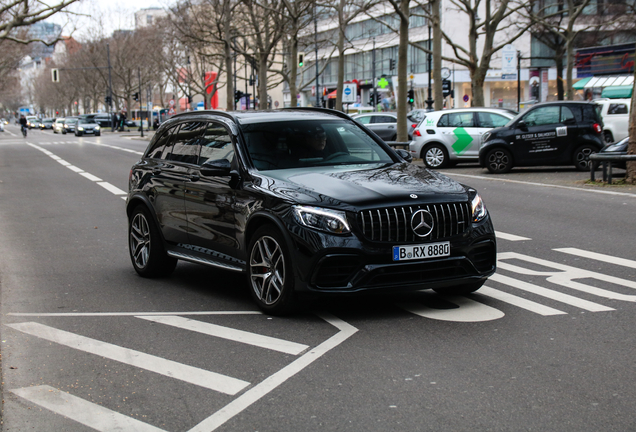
(615, 113)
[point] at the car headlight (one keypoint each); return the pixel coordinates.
(79, 128)
(327, 220)
(485, 137)
(478, 206)
(65, 125)
(96, 127)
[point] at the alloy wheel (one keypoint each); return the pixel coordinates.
(434, 157)
(140, 240)
(267, 270)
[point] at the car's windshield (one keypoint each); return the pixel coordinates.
(71, 120)
(308, 143)
(88, 121)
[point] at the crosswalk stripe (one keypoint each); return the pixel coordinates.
(169, 368)
(598, 257)
(519, 302)
(82, 411)
(510, 237)
(241, 336)
(554, 295)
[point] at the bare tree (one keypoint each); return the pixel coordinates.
(16, 14)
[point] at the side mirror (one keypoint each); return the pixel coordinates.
(522, 125)
(218, 167)
(405, 155)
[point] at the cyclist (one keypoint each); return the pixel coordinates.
(23, 125)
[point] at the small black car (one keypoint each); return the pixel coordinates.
(302, 201)
(619, 148)
(550, 133)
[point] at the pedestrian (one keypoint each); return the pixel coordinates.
(155, 124)
(122, 121)
(115, 120)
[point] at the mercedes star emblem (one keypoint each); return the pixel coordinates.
(422, 223)
(413, 196)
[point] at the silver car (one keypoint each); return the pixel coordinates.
(384, 124)
(447, 137)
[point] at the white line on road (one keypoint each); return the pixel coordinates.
(135, 314)
(554, 295)
(241, 336)
(112, 189)
(540, 184)
(254, 394)
(91, 177)
(599, 257)
(169, 368)
(468, 311)
(510, 237)
(519, 302)
(82, 411)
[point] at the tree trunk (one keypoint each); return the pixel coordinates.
(477, 79)
(570, 67)
(630, 176)
(559, 67)
(227, 52)
(437, 55)
(402, 134)
(262, 82)
(341, 57)
(293, 73)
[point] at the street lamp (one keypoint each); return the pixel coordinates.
(429, 101)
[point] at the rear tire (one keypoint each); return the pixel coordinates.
(499, 161)
(460, 289)
(147, 253)
(608, 137)
(435, 156)
(581, 158)
(270, 272)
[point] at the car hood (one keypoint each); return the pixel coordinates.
(353, 187)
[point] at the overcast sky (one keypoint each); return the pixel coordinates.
(115, 15)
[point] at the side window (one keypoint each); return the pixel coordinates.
(384, 119)
(186, 144)
(162, 145)
(443, 121)
(617, 109)
(364, 120)
(543, 116)
(216, 143)
(464, 119)
(566, 114)
(491, 120)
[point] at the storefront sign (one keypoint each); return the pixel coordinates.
(608, 60)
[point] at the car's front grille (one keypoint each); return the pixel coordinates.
(393, 224)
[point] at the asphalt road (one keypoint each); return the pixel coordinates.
(86, 344)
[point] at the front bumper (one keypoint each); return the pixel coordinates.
(347, 264)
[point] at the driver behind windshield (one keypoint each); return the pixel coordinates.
(308, 143)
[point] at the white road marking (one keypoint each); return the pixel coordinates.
(91, 177)
(241, 336)
(598, 257)
(551, 294)
(169, 368)
(82, 411)
(468, 310)
(510, 237)
(519, 302)
(112, 189)
(135, 314)
(540, 184)
(254, 394)
(74, 168)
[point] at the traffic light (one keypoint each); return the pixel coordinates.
(410, 97)
(372, 99)
(391, 64)
(237, 95)
(301, 59)
(108, 100)
(189, 99)
(136, 96)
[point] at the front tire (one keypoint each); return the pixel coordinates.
(499, 161)
(581, 158)
(270, 273)
(435, 156)
(145, 246)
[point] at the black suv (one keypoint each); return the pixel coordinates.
(302, 201)
(549, 133)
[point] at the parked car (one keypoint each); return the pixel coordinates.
(47, 123)
(615, 114)
(445, 138)
(87, 125)
(619, 148)
(303, 201)
(549, 133)
(58, 125)
(69, 125)
(384, 124)
(105, 120)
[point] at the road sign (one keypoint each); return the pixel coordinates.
(466, 98)
(383, 83)
(171, 111)
(171, 102)
(446, 88)
(349, 93)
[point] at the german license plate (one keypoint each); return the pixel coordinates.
(422, 251)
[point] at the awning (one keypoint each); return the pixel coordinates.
(332, 95)
(617, 92)
(580, 85)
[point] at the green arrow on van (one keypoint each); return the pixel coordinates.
(463, 140)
